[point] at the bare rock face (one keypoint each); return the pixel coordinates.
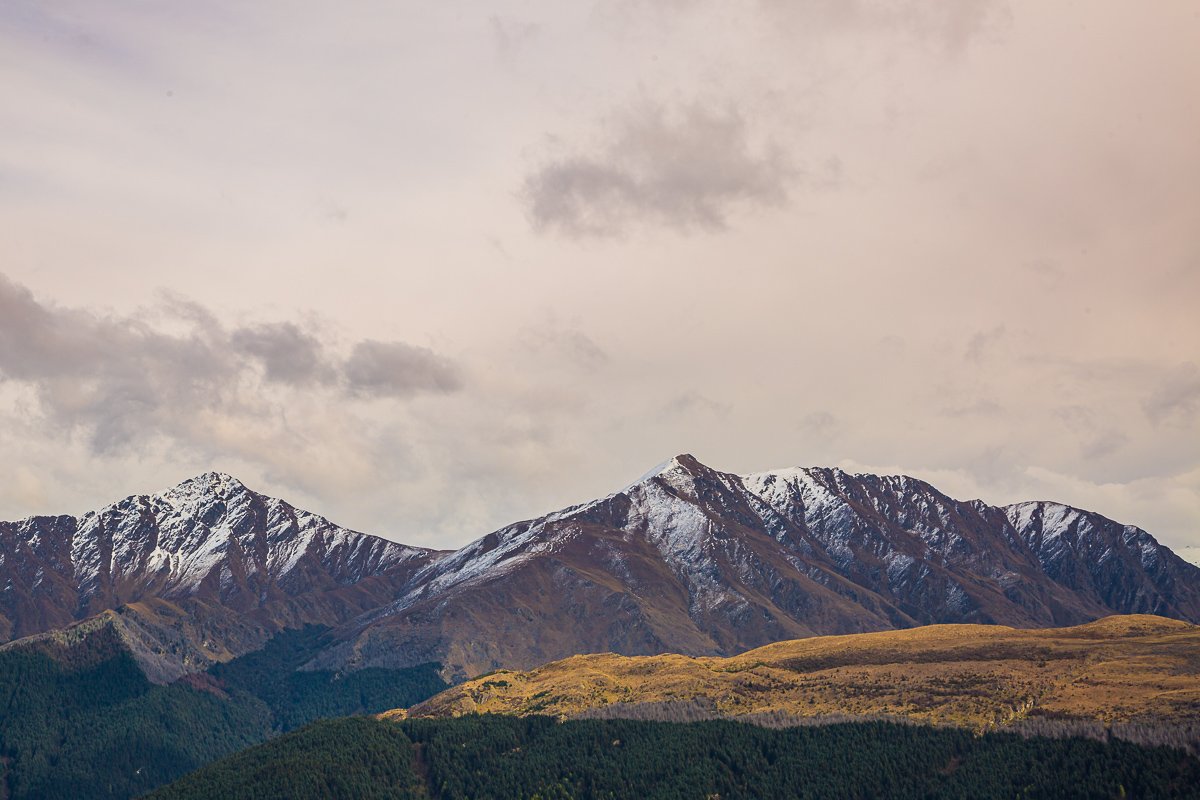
(211, 550)
(695, 561)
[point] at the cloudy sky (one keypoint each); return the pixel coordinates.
(428, 268)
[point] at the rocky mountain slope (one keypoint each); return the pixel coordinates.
(203, 571)
(695, 561)
(1116, 670)
(686, 560)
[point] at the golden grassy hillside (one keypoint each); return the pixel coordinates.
(1118, 669)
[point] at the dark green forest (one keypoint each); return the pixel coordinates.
(538, 757)
(93, 726)
(296, 698)
(355, 757)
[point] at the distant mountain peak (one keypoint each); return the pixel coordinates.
(689, 462)
(214, 477)
(682, 464)
(208, 539)
(211, 482)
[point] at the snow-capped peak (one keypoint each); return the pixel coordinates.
(684, 463)
(653, 472)
(204, 486)
(209, 534)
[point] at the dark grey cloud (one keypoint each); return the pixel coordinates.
(396, 369)
(687, 168)
(111, 373)
(174, 370)
(287, 353)
(1177, 397)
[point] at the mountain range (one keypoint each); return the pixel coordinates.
(687, 559)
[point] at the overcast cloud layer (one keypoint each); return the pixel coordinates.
(430, 269)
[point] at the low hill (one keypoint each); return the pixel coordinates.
(483, 757)
(1136, 668)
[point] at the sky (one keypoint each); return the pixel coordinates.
(430, 268)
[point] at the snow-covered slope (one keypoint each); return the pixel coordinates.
(688, 559)
(209, 539)
(1120, 566)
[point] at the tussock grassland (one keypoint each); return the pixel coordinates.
(1117, 670)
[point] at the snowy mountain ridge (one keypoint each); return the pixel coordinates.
(210, 537)
(686, 559)
(692, 560)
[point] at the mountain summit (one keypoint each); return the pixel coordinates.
(691, 560)
(234, 563)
